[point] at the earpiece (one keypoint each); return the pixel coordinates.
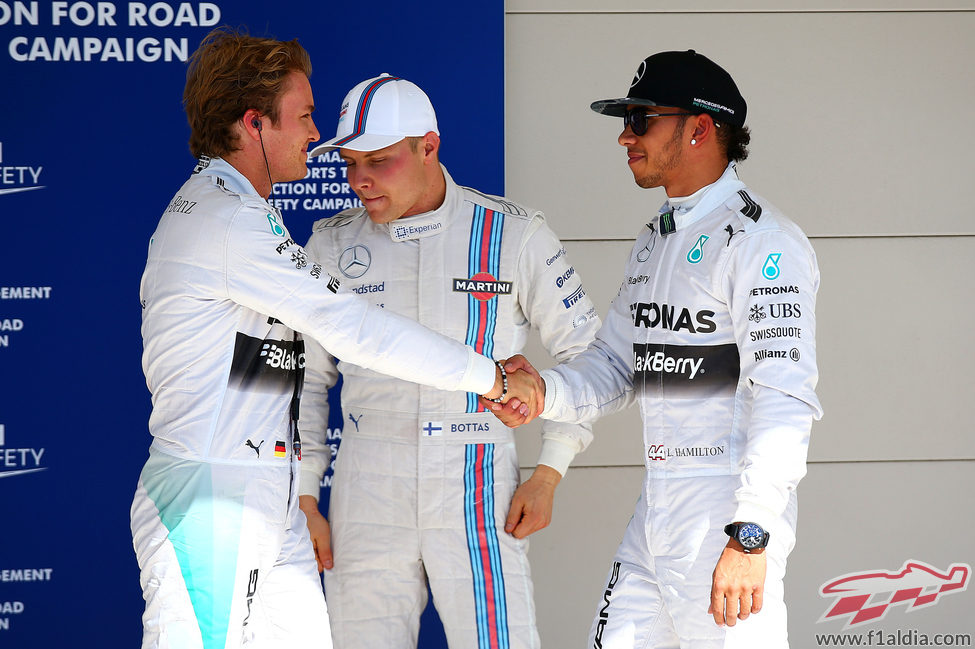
(256, 123)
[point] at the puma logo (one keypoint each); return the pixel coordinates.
(731, 233)
(257, 449)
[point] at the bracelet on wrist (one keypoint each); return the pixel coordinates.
(504, 384)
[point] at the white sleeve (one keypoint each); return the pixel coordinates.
(321, 373)
(273, 275)
(775, 455)
(771, 280)
(552, 297)
(597, 382)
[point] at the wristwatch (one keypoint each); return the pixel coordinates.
(750, 535)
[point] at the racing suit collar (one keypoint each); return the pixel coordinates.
(232, 179)
(427, 224)
(687, 209)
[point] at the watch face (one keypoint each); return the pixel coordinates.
(750, 536)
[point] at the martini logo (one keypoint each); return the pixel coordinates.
(482, 286)
(18, 461)
(865, 597)
(18, 178)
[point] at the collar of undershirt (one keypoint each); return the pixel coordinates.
(687, 209)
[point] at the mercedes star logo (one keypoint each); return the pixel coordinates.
(355, 261)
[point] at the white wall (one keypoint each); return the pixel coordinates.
(862, 127)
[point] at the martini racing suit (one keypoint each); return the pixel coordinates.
(425, 478)
(222, 546)
(713, 332)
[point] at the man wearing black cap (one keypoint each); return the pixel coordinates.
(713, 333)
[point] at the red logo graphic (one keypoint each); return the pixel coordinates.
(916, 584)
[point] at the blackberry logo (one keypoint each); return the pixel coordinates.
(659, 361)
(280, 358)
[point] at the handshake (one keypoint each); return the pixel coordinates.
(525, 397)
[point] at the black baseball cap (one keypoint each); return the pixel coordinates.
(685, 80)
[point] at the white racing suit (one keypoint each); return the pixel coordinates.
(713, 332)
(222, 546)
(424, 478)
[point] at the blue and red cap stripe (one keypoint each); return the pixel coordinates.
(362, 109)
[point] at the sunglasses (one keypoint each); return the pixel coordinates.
(638, 119)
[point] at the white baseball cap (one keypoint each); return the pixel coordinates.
(379, 112)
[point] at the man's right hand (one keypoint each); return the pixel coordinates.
(526, 394)
(319, 530)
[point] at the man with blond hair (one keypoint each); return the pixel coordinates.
(426, 486)
(221, 543)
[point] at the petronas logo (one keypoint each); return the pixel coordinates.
(696, 253)
(770, 270)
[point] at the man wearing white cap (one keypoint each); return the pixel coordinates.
(226, 295)
(427, 489)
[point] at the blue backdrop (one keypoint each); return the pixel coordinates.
(92, 148)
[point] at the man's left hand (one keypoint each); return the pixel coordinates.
(531, 506)
(737, 584)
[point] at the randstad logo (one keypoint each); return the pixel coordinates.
(696, 253)
(18, 178)
(770, 269)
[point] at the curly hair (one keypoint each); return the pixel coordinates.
(229, 74)
(735, 140)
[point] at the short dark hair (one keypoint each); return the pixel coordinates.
(229, 74)
(735, 140)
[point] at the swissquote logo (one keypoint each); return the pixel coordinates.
(864, 597)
